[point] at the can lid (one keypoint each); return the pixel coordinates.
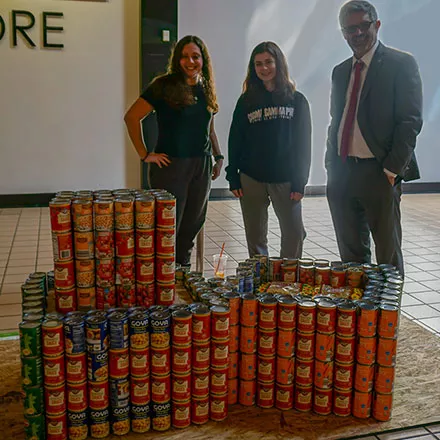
(230, 295)
(199, 309)
(60, 201)
(305, 303)
(326, 303)
(95, 319)
(181, 313)
(248, 297)
(347, 305)
(37, 275)
(29, 324)
(367, 305)
(160, 315)
(52, 323)
(389, 308)
(269, 300)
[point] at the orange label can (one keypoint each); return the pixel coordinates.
(363, 378)
(388, 324)
(285, 370)
(233, 364)
(248, 339)
(384, 379)
(386, 351)
(234, 338)
(361, 407)
(249, 310)
(232, 391)
(366, 350)
(382, 406)
(248, 366)
(324, 347)
(286, 342)
(323, 375)
(367, 320)
(247, 392)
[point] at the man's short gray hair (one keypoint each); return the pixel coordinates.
(357, 6)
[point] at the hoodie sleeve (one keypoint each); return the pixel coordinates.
(235, 143)
(303, 144)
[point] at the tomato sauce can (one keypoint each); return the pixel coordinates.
(139, 362)
(306, 316)
(384, 379)
(161, 416)
(99, 423)
(181, 387)
(233, 391)
(247, 392)
(181, 414)
(382, 406)
(234, 301)
(322, 275)
(140, 390)
(53, 337)
(304, 372)
(165, 268)
(234, 338)
(181, 327)
(249, 310)
(62, 245)
(64, 273)
(55, 399)
(165, 241)
(119, 363)
(324, 347)
(76, 367)
(181, 359)
(346, 319)
(388, 324)
(125, 270)
(286, 342)
(266, 368)
(323, 374)
(76, 397)
(345, 349)
(265, 397)
(77, 425)
(54, 370)
(160, 361)
(364, 378)
(322, 401)
(105, 272)
(201, 324)
(200, 382)
(285, 370)
(366, 350)
(248, 366)
(165, 294)
(248, 339)
(326, 317)
(119, 390)
(56, 427)
(306, 273)
(98, 395)
(140, 418)
(286, 318)
(166, 211)
(342, 402)
(267, 312)
(219, 353)
(367, 319)
(104, 244)
(145, 294)
(60, 218)
(201, 355)
(219, 380)
(303, 400)
(361, 406)
(338, 275)
(284, 395)
(344, 376)
(145, 242)
(200, 410)
(124, 243)
(267, 342)
(305, 345)
(160, 388)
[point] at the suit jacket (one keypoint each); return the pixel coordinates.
(389, 113)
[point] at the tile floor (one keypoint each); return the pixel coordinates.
(25, 246)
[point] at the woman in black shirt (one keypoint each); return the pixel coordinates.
(185, 102)
(270, 151)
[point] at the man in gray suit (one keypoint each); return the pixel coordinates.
(376, 115)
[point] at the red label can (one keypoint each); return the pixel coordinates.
(124, 243)
(200, 383)
(265, 394)
(249, 311)
(248, 339)
(382, 406)
(160, 361)
(305, 345)
(201, 355)
(60, 219)
(55, 399)
(248, 366)
(388, 321)
(323, 401)
(201, 327)
(166, 211)
(65, 300)
(165, 294)
(323, 375)
(303, 398)
(284, 397)
(64, 274)
(326, 317)
(220, 322)
(105, 272)
(233, 364)
(342, 401)
(160, 388)
(200, 410)
(54, 370)
(219, 353)
(181, 359)
(125, 270)
(361, 407)
(286, 342)
(322, 275)
(306, 316)
(346, 320)
(304, 372)
(77, 397)
(363, 378)
(181, 387)
(145, 294)
(165, 269)
(324, 347)
(234, 338)
(104, 244)
(286, 314)
(386, 351)
(52, 338)
(98, 395)
(267, 342)
(266, 367)
(219, 380)
(338, 276)
(145, 269)
(218, 407)
(119, 363)
(62, 246)
(344, 376)
(247, 392)
(76, 367)
(56, 427)
(234, 307)
(140, 390)
(165, 241)
(181, 414)
(144, 242)
(181, 328)
(366, 350)
(232, 391)
(140, 362)
(267, 313)
(384, 379)
(345, 349)
(285, 370)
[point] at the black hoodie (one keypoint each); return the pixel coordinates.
(270, 141)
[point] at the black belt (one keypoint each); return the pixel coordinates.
(354, 159)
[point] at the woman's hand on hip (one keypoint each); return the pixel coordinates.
(237, 192)
(160, 159)
(296, 196)
(216, 169)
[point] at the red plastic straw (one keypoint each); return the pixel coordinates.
(219, 258)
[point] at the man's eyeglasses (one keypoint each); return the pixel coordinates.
(363, 27)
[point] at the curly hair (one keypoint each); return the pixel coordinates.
(284, 86)
(172, 86)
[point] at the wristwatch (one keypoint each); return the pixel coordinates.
(219, 157)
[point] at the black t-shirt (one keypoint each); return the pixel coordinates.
(183, 132)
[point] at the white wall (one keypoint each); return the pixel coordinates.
(308, 32)
(61, 117)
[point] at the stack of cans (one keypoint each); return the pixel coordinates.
(34, 295)
(289, 270)
(245, 277)
(32, 379)
(181, 356)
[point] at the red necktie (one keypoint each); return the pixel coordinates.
(351, 113)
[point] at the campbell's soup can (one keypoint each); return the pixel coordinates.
(56, 427)
(364, 378)
(266, 368)
(286, 318)
(249, 310)
(248, 339)
(286, 342)
(267, 312)
(323, 375)
(181, 414)
(64, 274)
(160, 388)
(124, 243)
(342, 402)
(55, 399)
(219, 380)
(201, 355)
(247, 392)
(326, 317)
(306, 316)
(98, 395)
(201, 323)
(388, 324)
(104, 244)
(285, 370)
(324, 347)
(345, 349)
(200, 382)
(165, 268)
(145, 242)
(322, 401)
(234, 338)
(346, 319)
(382, 406)
(366, 350)
(181, 358)
(76, 397)
(284, 396)
(60, 219)
(62, 245)
(367, 319)
(248, 366)
(180, 387)
(76, 367)
(384, 379)
(200, 410)
(303, 400)
(265, 397)
(304, 372)
(267, 342)
(305, 345)
(344, 375)
(219, 353)
(361, 406)
(386, 351)
(140, 390)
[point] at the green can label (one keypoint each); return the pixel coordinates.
(34, 401)
(30, 339)
(31, 372)
(34, 427)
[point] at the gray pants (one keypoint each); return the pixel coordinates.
(254, 204)
(361, 201)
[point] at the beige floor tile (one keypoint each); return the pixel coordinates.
(22, 255)
(45, 267)
(10, 322)
(10, 310)
(10, 298)
(11, 288)
(22, 262)
(14, 279)
(20, 270)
